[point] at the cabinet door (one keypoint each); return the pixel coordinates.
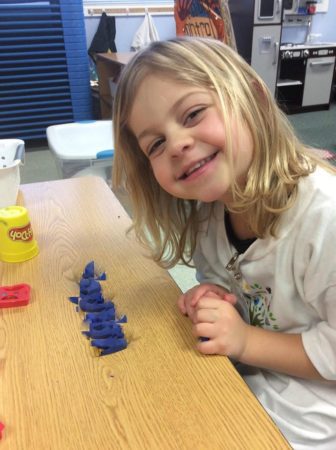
(267, 12)
(265, 53)
(317, 86)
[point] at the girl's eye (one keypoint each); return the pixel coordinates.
(194, 116)
(155, 147)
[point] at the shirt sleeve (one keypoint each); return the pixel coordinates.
(320, 341)
(320, 291)
(209, 255)
(206, 270)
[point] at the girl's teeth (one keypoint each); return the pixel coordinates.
(198, 165)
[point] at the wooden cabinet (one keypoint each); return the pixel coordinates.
(109, 67)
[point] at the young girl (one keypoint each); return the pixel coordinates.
(216, 175)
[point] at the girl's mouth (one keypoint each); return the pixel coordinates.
(197, 166)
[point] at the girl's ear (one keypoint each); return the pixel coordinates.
(260, 91)
(262, 94)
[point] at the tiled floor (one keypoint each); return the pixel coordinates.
(39, 165)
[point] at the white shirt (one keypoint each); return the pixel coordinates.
(289, 285)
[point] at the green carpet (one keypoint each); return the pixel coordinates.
(317, 129)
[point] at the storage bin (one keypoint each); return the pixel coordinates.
(82, 145)
(11, 158)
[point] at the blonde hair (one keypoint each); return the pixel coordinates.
(168, 225)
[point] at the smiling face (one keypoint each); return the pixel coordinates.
(180, 129)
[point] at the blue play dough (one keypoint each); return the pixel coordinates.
(105, 330)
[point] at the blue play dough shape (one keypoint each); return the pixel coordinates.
(105, 330)
(89, 272)
(89, 286)
(110, 345)
(87, 305)
(102, 316)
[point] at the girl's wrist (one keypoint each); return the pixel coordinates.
(244, 356)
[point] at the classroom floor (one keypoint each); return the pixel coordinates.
(317, 129)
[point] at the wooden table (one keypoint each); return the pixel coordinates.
(109, 67)
(159, 393)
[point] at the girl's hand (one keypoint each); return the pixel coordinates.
(220, 322)
(188, 301)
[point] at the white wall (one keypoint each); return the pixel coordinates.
(322, 23)
(126, 27)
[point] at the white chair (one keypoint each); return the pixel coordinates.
(83, 148)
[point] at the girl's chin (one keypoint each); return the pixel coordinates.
(212, 198)
(206, 196)
(218, 196)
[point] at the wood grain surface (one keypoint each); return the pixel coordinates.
(159, 393)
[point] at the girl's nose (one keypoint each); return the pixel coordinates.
(179, 143)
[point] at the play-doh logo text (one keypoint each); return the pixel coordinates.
(21, 234)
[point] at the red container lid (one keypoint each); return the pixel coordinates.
(16, 295)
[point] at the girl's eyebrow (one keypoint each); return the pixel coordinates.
(148, 131)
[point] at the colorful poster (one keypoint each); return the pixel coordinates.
(204, 18)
